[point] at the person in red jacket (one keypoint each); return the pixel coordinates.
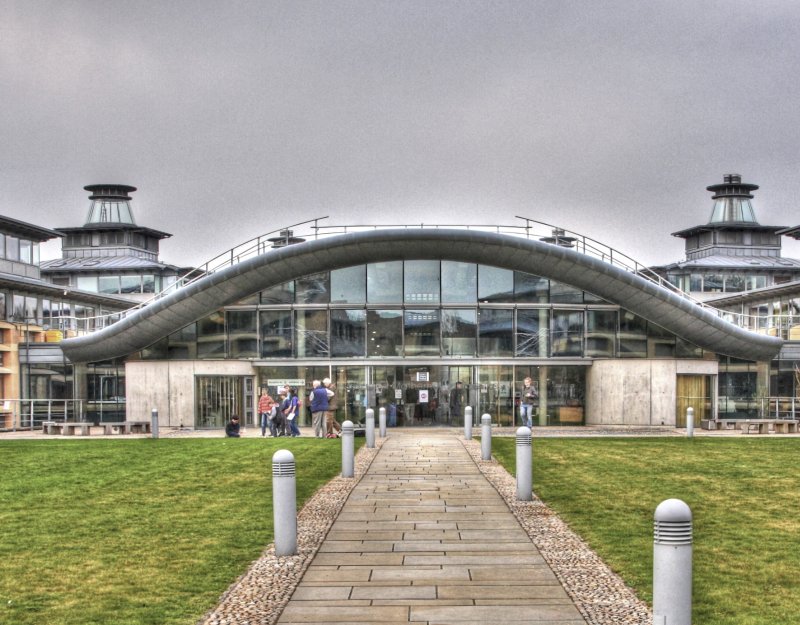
(266, 407)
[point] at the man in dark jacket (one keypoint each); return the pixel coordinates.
(232, 429)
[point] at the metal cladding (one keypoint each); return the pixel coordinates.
(227, 286)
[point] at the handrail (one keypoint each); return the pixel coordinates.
(532, 229)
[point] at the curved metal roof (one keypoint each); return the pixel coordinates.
(227, 286)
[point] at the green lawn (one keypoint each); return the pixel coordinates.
(743, 494)
(132, 532)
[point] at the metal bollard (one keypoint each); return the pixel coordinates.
(154, 422)
(468, 423)
(348, 446)
(690, 422)
(369, 434)
(672, 563)
(486, 437)
(284, 502)
(382, 422)
(524, 464)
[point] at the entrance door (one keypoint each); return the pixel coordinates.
(693, 391)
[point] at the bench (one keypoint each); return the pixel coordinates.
(753, 426)
(85, 429)
(785, 426)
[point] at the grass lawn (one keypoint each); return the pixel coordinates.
(743, 494)
(141, 531)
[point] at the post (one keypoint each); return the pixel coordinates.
(154, 422)
(370, 431)
(672, 563)
(468, 423)
(524, 464)
(486, 437)
(382, 422)
(690, 422)
(348, 445)
(284, 502)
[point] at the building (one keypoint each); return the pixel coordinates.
(110, 253)
(37, 314)
(732, 253)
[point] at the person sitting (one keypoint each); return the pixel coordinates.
(232, 429)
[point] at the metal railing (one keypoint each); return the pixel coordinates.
(729, 407)
(529, 229)
(29, 414)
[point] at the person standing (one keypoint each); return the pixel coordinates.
(527, 399)
(319, 406)
(266, 405)
(279, 419)
(293, 411)
(456, 402)
(332, 427)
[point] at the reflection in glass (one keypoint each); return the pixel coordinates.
(601, 332)
(421, 282)
(211, 336)
(567, 333)
(279, 294)
(311, 333)
(385, 282)
(632, 335)
(276, 333)
(349, 285)
(459, 332)
(561, 293)
(242, 333)
(421, 330)
(533, 332)
(495, 284)
(459, 282)
(531, 289)
(348, 333)
(183, 343)
(313, 289)
(495, 335)
(384, 333)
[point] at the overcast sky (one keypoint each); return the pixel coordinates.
(236, 118)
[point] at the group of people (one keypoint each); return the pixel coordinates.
(281, 416)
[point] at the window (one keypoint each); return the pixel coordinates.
(349, 286)
(601, 332)
(348, 333)
(276, 333)
(87, 283)
(561, 293)
(12, 247)
(384, 333)
(567, 333)
(313, 289)
(385, 282)
(495, 284)
(280, 294)
(459, 332)
(311, 333)
(495, 335)
(211, 336)
(148, 283)
(421, 282)
(131, 284)
(25, 251)
(242, 333)
(421, 330)
(459, 282)
(108, 284)
(533, 331)
(530, 289)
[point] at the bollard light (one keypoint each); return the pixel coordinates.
(154, 422)
(284, 502)
(486, 437)
(468, 423)
(524, 464)
(348, 447)
(690, 422)
(382, 422)
(370, 429)
(672, 563)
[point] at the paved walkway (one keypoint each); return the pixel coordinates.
(425, 538)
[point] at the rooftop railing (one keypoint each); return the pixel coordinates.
(314, 229)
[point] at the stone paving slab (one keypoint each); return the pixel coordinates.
(425, 538)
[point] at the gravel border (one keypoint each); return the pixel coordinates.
(600, 595)
(260, 594)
